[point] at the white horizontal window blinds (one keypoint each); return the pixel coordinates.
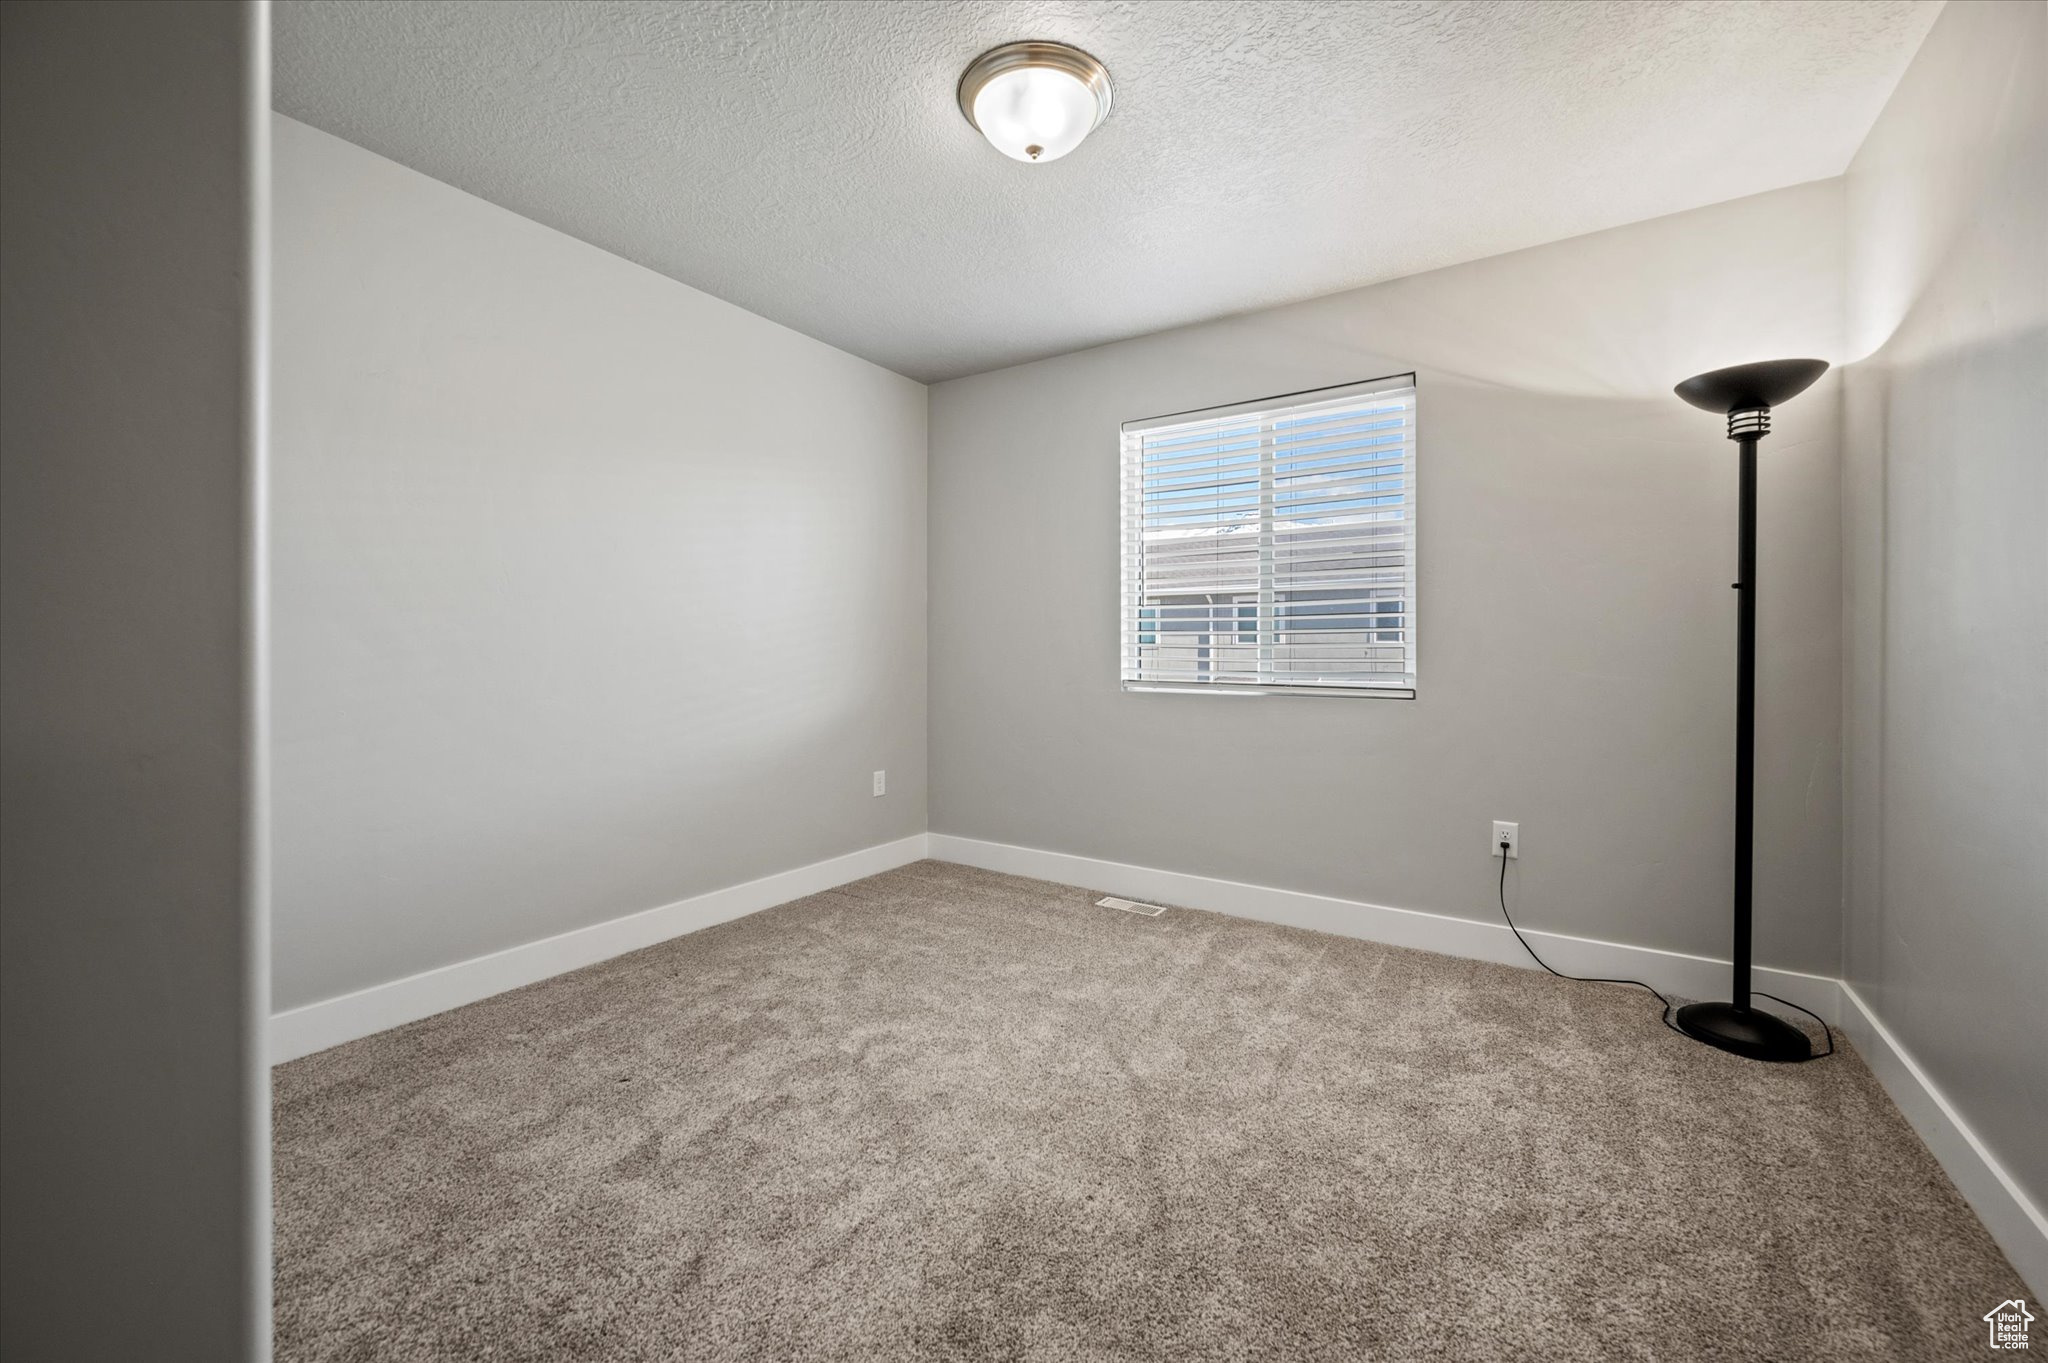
(1270, 547)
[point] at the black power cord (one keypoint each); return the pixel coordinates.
(1601, 979)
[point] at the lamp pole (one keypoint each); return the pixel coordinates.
(1745, 696)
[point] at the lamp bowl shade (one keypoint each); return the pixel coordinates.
(1743, 387)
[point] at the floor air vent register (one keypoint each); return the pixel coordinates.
(1149, 910)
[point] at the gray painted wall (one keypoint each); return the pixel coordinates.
(134, 1210)
(1945, 480)
(592, 592)
(1577, 541)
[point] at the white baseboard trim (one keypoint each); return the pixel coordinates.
(1698, 977)
(316, 1026)
(2005, 1209)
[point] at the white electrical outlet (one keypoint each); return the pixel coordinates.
(881, 783)
(1509, 833)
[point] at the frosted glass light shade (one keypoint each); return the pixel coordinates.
(1034, 113)
(1035, 101)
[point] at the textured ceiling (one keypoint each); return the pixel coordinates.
(806, 160)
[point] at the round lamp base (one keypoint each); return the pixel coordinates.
(1747, 1032)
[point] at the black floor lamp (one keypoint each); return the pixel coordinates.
(1746, 394)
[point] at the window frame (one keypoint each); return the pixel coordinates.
(1129, 603)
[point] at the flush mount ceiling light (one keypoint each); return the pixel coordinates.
(1035, 101)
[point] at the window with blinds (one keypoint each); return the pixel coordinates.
(1269, 547)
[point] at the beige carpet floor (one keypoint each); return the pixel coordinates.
(947, 1114)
